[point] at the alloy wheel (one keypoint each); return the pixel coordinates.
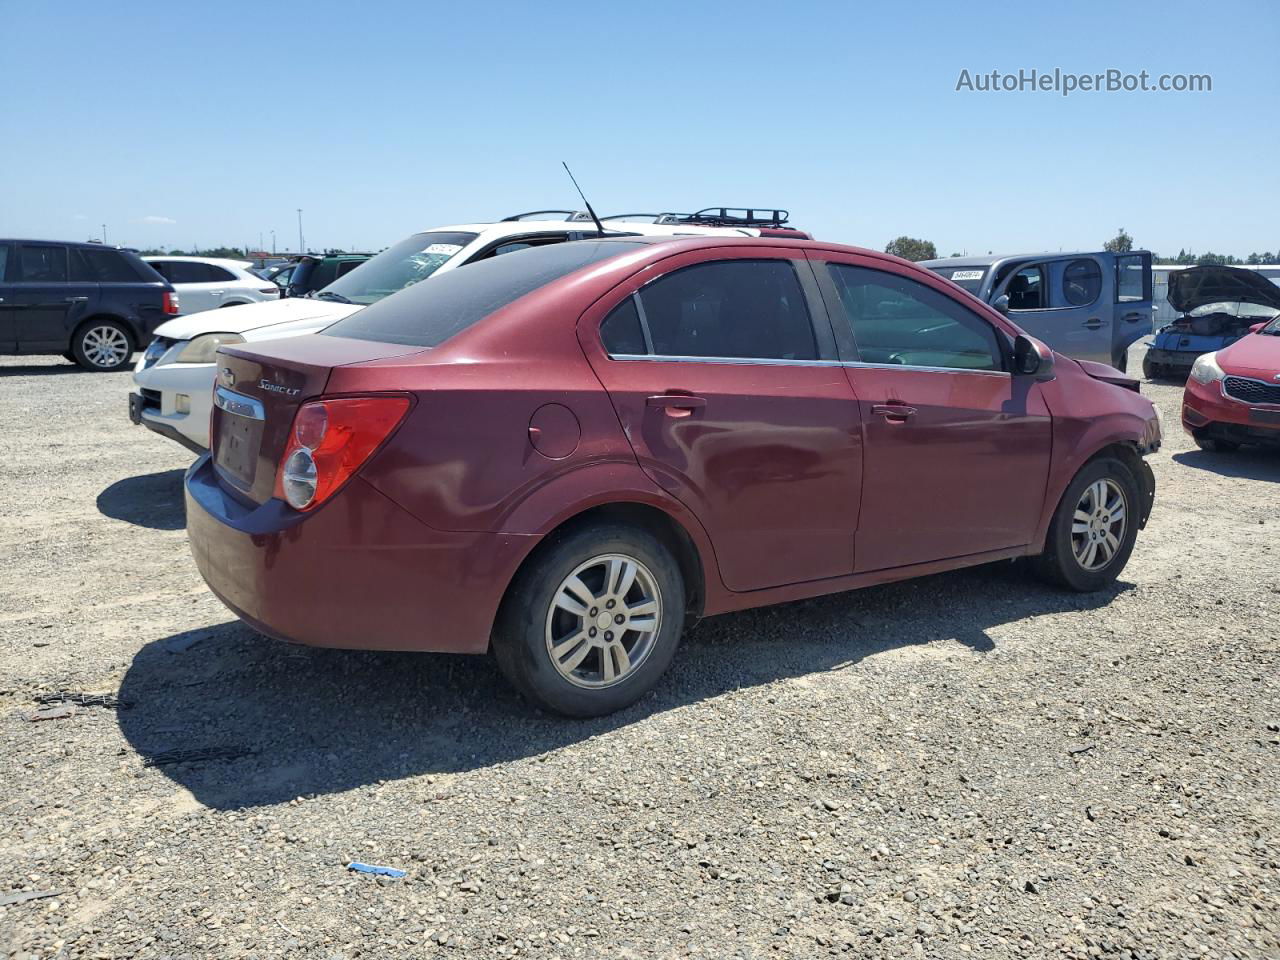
(105, 346)
(604, 620)
(1098, 524)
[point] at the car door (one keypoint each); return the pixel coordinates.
(8, 320)
(194, 285)
(1071, 310)
(1133, 301)
(724, 376)
(955, 449)
(42, 297)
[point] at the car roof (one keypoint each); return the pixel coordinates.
(70, 243)
(989, 259)
(219, 261)
(520, 228)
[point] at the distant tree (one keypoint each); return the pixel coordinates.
(1121, 243)
(909, 248)
(333, 252)
(957, 254)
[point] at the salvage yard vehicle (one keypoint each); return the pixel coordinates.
(175, 377)
(312, 272)
(209, 283)
(1218, 305)
(1091, 306)
(91, 303)
(569, 453)
(1232, 396)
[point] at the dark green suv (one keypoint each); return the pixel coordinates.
(308, 273)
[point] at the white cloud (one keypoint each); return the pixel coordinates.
(79, 216)
(167, 221)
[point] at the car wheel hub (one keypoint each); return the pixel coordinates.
(603, 621)
(1098, 524)
(105, 346)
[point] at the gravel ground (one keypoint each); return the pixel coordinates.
(965, 765)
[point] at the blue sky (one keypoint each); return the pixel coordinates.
(209, 124)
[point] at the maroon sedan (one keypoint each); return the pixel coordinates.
(568, 453)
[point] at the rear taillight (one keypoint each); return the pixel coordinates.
(330, 440)
(171, 305)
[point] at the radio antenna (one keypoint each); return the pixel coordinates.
(595, 219)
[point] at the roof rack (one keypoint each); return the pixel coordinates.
(634, 217)
(729, 217)
(542, 215)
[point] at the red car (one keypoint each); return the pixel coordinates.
(1233, 395)
(569, 453)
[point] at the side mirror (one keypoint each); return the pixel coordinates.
(1031, 358)
(1257, 327)
(1001, 303)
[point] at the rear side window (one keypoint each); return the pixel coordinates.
(1081, 282)
(899, 321)
(427, 314)
(40, 263)
(219, 274)
(732, 309)
(101, 266)
(4, 258)
(181, 271)
(621, 332)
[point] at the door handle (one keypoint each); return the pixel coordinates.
(77, 299)
(676, 404)
(1134, 317)
(893, 411)
(1093, 323)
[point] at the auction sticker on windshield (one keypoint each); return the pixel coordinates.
(967, 275)
(448, 249)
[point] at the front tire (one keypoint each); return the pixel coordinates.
(592, 621)
(103, 346)
(1093, 530)
(1150, 370)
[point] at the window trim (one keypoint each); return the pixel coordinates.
(1042, 267)
(824, 346)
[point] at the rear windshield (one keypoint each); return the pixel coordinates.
(400, 266)
(428, 314)
(968, 277)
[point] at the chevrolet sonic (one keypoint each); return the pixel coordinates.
(567, 454)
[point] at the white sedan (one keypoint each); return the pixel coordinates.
(175, 376)
(207, 283)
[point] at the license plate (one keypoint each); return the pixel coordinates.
(1268, 418)
(238, 439)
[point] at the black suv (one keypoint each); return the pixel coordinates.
(91, 303)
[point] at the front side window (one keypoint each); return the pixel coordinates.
(428, 314)
(900, 321)
(38, 263)
(1081, 282)
(401, 265)
(1027, 289)
(746, 309)
(4, 258)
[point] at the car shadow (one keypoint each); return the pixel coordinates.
(281, 721)
(151, 500)
(59, 366)
(1249, 463)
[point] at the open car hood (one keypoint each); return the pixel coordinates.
(1198, 286)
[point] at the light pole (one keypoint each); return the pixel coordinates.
(104, 233)
(273, 243)
(301, 247)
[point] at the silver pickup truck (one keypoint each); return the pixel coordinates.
(1086, 305)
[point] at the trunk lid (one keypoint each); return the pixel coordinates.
(258, 391)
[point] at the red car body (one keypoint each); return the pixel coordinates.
(772, 480)
(1242, 405)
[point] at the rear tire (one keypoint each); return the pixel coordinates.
(592, 620)
(1214, 445)
(1093, 530)
(103, 346)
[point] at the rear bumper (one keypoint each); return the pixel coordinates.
(358, 573)
(1175, 359)
(1207, 413)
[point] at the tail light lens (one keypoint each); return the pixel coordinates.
(330, 440)
(171, 305)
